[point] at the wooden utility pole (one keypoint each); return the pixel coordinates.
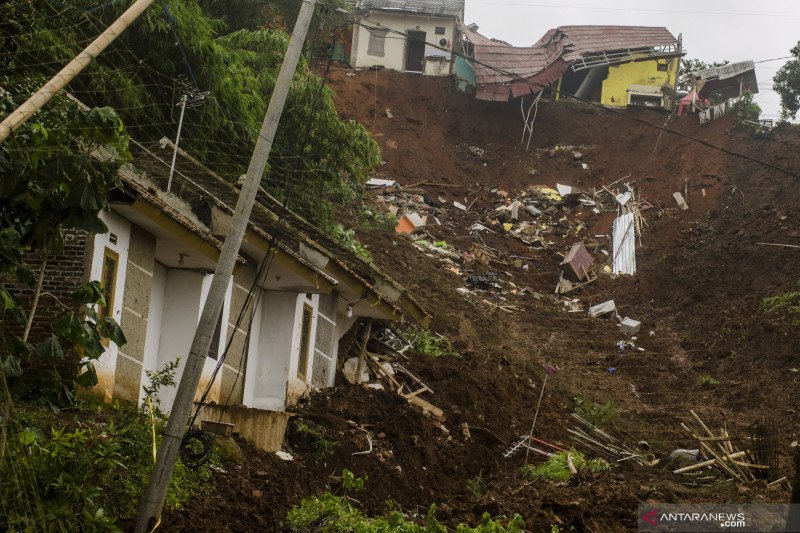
(20, 115)
(153, 500)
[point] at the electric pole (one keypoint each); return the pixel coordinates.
(33, 104)
(153, 500)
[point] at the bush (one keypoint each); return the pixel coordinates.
(64, 473)
(433, 344)
(331, 513)
(556, 468)
(598, 414)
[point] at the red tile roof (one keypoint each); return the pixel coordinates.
(550, 56)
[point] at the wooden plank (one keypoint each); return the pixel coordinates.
(427, 406)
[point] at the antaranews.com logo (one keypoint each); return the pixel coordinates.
(701, 518)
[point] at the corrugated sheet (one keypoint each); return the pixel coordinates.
(623, 238)
(550, 56)
(724, 72)
(441, 8)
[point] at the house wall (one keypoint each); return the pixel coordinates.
(117, 240)
(136, 311)
(185, 294)
(271, 380)
(65, 271)
(395, 45)
(232, 376)
(620, 77)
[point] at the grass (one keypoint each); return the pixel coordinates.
(786, 304)
(599, 414)
(323, 446)
(556, 468)
(709, 381)
(477, 485)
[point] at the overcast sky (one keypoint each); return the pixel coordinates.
(735, 30)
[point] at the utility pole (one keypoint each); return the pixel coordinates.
(20, 115)
(153, 500)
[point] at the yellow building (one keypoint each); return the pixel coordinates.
(640, 83)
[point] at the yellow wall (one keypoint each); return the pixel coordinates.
(620, 77)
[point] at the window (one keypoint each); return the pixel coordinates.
(305, 342)
(213, 350)
(377, 38)
(440, 30)
(662, 67)
(108, 281)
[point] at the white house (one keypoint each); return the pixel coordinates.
(293, 296)
(407, 35)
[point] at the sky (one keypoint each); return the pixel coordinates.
(735, 30)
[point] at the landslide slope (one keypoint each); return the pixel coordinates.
(701, 278)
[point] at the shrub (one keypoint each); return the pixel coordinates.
(786, 304)
(433, 344)
(331, 513)
(598, 414)
(556, 468)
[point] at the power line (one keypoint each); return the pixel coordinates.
(632, 9)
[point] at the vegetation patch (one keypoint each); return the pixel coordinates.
(786, 305)
(433, 344)
(556, 468)
(334, 513)
(599, 414)
(322, 447)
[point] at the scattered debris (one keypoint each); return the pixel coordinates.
(628, 326)
(624, 244)
(377, 183)
(680, 200)
(409, 223)
(592, 438)
(579, 261)
(603, 308)
(285, 456)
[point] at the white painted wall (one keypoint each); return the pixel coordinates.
(155, 316)
(271, 377)
(121, 229)
(395, 46)
(184, 297)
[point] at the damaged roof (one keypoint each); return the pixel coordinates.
(724, 72)
(440, 8)
(527, 69)
(203, 189)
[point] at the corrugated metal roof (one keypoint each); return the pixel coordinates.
(550, 56)
(441, 8)
(724, 72)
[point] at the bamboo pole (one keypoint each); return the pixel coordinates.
(20, 115)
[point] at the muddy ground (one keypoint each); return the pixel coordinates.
(701, 276)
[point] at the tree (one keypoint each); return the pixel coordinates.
(787, 84)
(55, 174)
(316, 153)
(693, 65)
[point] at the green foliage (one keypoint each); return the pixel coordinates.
(316, 155)
(556, 468)
(786, 305)
(598, 414)
(787, 84)
(81, 474)
(352, 483)
(369, 220)
(55, 174)
(330, 513)
(746, 111)
(708, 380)
(322, 446)
(348, 239)
(432, 344)
(160, 378)
(477, 485)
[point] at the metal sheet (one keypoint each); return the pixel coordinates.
(623, 236)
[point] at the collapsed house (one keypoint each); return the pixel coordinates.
(294, 294)
(395, 34)
(715, 85)
(614, 65)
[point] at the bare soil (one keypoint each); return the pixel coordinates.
(701, 276)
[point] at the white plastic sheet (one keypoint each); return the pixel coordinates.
(623, 236)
